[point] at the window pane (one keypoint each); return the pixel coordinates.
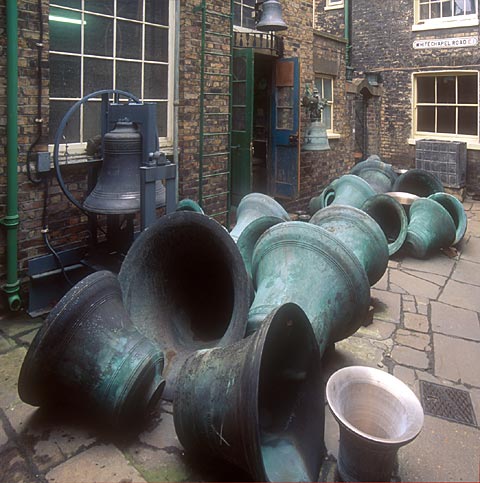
(239, 93)
(128, 77)
(425, 89)
(285, 118)
(239, 68)
(248, 18)
(64, 76)
(469, 7)
(467, 89)
(459, 8)
(98, 35)
(426, 118)
(327, 89)
(238, 117)
(424, 12)
(71, 133)
(446, 89)
(156, 44)
(98, 74)
(327, 117)
(447, 8)
(69, 3)
(156, 81)
(162, 119)
(91, 119)
(446, 119)
(130, 9)
(129, 40)
(284, 96)
(467, 120)
(106, 6)
(435, 10)
(65, 30)
(156, 11)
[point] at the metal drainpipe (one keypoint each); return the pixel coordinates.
(348, 33)
(11, 220)
(176, 94)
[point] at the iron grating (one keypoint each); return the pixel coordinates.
(447, 403)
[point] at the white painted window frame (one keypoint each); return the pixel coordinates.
(445, 22)
(471, 140)
(334, 4)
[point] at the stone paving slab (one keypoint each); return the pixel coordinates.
(382, 284)
(439, 280)
(416, 322)
(461, 295)
(387, 305)
(473, 228)
(377, 330)
(19, 325)
(414, 285)
(471, 250)
(436, 264)
(455, 321)
(443, 451)
(10, 364)
(457, 359)
(410, 357)
(467, 272)
(100, 464)
(14, 468)
(405, 374)
(416, 340)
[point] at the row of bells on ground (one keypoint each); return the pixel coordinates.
(173, 324)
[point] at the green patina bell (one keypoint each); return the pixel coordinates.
(251, 234)
(379, 175)
(185, 286)
(316, 138)
(302, 263)
(391, 217)
(189, 205)
(88, 355)
(348, 190)
(456, 211)
(253, 206)
(258, 403)
(360, 233)
(430, 228)
(419, 182)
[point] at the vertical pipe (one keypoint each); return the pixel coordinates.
(202, 103)
(176, 95)
(11, 220)
(348, 33)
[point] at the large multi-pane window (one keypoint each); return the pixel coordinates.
(244, 13)
(445, 10)
(325, 91)
(121, 44)
(447, 103)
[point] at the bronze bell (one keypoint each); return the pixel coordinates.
(271, 19)
(118, 187)
(316, 138)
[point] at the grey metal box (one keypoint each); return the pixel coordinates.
(447, 160)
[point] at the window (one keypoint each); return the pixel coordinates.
(244, 13)
(447, 103)
(331, 4)
(445, 13)
(325, 91)
(121, 44)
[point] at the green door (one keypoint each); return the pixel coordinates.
(242, 124)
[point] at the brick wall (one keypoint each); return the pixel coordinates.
(382, 40)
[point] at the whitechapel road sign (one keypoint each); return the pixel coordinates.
(445, 43)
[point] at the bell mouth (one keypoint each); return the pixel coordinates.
(184, 283)
(374, 405)
(290, 399)
(328, 197)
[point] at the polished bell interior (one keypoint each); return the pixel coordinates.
(118, 186)
(377, 414)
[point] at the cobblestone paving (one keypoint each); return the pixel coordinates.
(425, 327)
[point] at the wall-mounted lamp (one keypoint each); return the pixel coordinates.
(373, 78)
(268, 16)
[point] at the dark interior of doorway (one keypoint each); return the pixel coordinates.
(263, 71)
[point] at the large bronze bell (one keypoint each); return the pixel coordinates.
(379, 175)
(118, 186)
(258, 403)
(302, 263)
(185, 286)
(360, 233)
(88, 355)
(271, 18)
(419, 182)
